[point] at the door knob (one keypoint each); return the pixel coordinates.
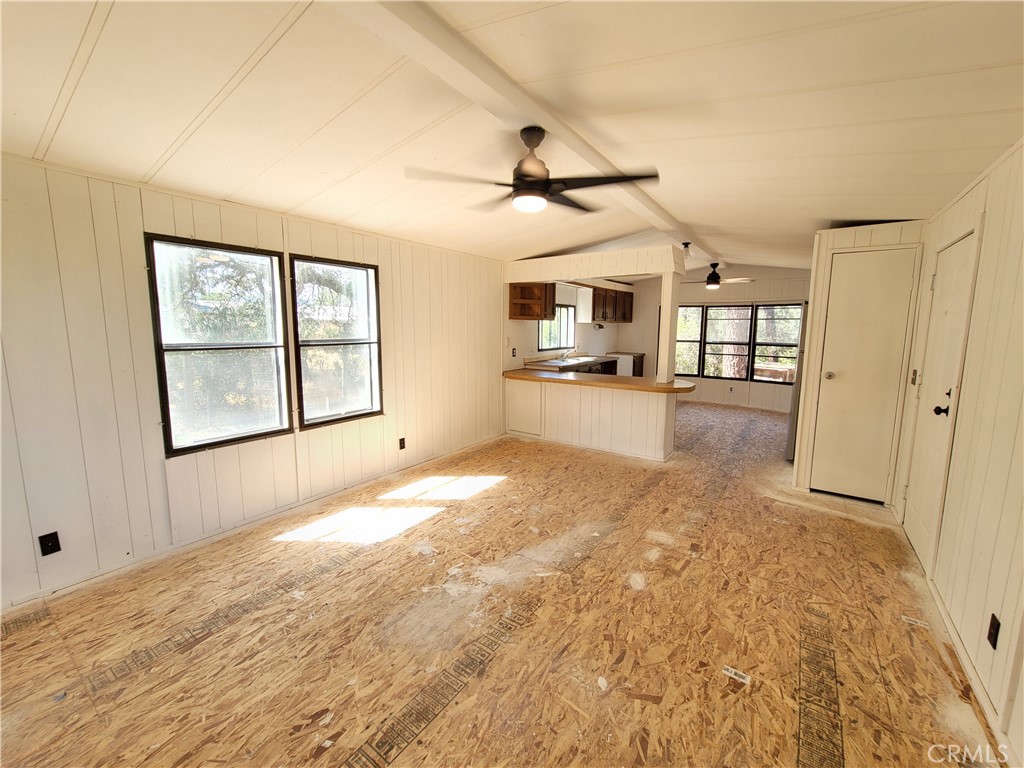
(829, 375)
(939, 411)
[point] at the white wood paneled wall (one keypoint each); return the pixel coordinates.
(613, 420)
(82, 444)
(748, 394)
(978, 571)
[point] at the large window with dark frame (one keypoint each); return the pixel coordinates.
(776, 342)
(559, 333)
(752, 342)
(219, 328)
(726, 349)
(689, 323)
(337, 337)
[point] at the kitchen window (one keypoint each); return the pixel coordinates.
(726, 351)
(776, 342)
(337, 338)
(689, 324)
(221, 360)
(559, 333)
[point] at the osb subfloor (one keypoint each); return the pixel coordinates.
(585, 610)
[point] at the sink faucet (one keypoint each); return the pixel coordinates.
(568, 353)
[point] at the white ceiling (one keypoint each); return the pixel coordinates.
(766, 120)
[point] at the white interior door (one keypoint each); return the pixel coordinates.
(862, 358)
(943, 365)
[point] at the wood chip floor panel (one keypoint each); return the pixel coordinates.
(581, 611)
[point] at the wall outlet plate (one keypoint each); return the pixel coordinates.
(401, 443)
(49, 543)
(993, 631)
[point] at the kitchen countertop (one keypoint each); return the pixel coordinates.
(557, 364)
(634, 383)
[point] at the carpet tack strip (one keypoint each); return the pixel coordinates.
(820, 741)
(188, 637)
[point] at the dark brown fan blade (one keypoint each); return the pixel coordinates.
(490, 205)
(561, 199)
(412, 172)
(579, 182)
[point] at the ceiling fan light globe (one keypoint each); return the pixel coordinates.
(712, 286)
(528, 201)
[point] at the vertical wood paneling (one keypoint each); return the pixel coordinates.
(388, 358)
(321, 461)
(184, 223)
(270, 231)
(207, 471)
(352, 448)
(90, 363)
(128, 204)
(978, 568)
(229, 486)
(238, 226)
(338, 454)
(371, 447)
(158, 212)
(302, 475)
(54, 439)
(299, 238)
(122, 369)
(207, 220)
(256, 466)
(324, 241)
(286, 487)
(18, 572)
(184, 499)
(435, 319)
(413, 449)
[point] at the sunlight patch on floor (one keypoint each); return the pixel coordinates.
(441, 487)
(362, 525)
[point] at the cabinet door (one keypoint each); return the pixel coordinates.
(600, 304)
(531, 301)
(626, 313)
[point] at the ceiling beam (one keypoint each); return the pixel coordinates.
(419, 33)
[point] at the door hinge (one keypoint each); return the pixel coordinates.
(906, 489)
(933, 281)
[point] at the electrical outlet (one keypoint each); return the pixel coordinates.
(401, 443)
(993, 631)
(49, 543)
(513, 351)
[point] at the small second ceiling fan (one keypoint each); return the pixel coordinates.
(714, 280)
(532, 185)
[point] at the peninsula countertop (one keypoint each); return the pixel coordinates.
(634, 383)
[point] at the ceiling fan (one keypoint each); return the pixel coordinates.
(714, 280)
(532, 185)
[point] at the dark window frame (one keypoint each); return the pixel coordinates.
(751, 344)
(705, 342)
(698, 341)
(299, 344)
(571, 324)
(794, 346)
(150, 240)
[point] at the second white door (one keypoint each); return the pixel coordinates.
(863, 354)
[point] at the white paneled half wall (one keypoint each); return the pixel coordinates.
(83, 451)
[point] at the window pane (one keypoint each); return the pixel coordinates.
(688, 324)
(219, 394)
(339, 380)
(687, 358)
(333, 302)
(559, 333)
(729, 324)
(208, 295)
(727, 361)
(780, 324)
(772, 363)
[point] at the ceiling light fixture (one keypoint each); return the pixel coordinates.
(714, 281)
(529, 200)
